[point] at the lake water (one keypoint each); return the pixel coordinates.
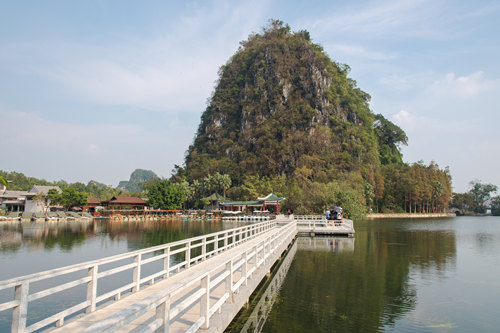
(432, 275)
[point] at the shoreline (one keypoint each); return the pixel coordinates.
(408, 215)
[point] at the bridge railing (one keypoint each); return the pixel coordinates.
(309, 217)
(171, 258)
(242, 264)
(315, 221)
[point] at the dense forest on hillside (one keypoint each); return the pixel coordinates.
(286, 118)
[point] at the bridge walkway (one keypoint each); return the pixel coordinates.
(207, 295)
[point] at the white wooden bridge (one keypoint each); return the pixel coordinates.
(184, 286)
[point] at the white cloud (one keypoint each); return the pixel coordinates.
(463, 86)
(94, 148)
(358, 51)
(387, 19)
(405, 120)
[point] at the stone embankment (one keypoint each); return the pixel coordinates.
(408, 215)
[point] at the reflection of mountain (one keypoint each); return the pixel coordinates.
(360, 289)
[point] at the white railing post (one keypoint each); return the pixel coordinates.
(19, 312)
(204, 249)
(245, 268)
(256, 257)
(137, 273)
(92, 289)
(229, 281)
(216, 244)
(188, 254)
(163, 314)
(205, 302)
(166, 262)
(226, 235)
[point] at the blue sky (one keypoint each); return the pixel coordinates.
(95, 89)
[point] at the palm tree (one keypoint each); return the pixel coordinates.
(225, 182)
(4, 181)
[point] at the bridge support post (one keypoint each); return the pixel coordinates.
(245, 268)
(20, 312)
(229, 281)
(204, 249)
(92, 289)
(137, 273)
(188, 254)
(205, 302)
(166, 262)
(163, 314)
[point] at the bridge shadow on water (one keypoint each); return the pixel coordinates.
(253, 317)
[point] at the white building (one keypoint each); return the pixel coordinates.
(33, 201)
(36, 199)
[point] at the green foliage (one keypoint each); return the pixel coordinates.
(70, 198)
(495, 206)
(19, 182)
(279, 101)
(389, 138)
(164, 194)
(4, 181)
(480, 195)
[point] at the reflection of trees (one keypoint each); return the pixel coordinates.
(10, 240)
(360, 291)
(45, 235)
(65, 238)
(150, 233)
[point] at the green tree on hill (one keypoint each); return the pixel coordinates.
(165, 194)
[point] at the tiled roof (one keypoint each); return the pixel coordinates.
(271, 197)
(127, 200)
(93, 201)
(13, 194)
(44, 189)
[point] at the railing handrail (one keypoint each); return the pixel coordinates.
(19, 304)
(125, 316)
(71, 268)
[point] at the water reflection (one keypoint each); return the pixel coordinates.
(264, 298)
(333, 285)
(334, 244)
(65, 236)
(38, 246)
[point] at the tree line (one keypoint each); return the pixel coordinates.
(478, 199)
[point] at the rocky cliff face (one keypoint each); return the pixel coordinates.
(281, 104)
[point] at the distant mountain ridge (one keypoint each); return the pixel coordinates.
(137, 180)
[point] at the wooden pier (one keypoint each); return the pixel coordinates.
(184, 286)
(313, 225)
